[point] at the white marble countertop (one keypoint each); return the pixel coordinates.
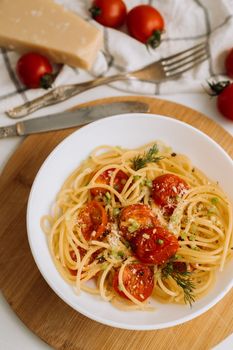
(13, 333)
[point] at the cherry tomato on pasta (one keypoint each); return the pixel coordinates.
(109, 13)
(35, 71)
(138, 280)
(145, 24)
(229, 64)
(135, 217)
(179, 266)
(166, 191)
(119, 181)
(74, 258)
(92, 220)
(154, 245)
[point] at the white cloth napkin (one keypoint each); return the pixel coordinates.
(188, 22)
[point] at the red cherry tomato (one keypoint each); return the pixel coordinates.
(225, 102)
(109, 13)
(138, 280)
(166, 190)
(93, 220)
(179, 266)
(82, 253)
(154, 245)
(229, 64)
(105, 178)
(135, 217)
(74, 258)
(145, 24)
(35, 71)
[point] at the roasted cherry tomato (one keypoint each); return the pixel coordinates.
(179, 266)
(74, 258)
(166, 190)
(154, 245)
(109, 13)
(35, 71)
(145, 24)
(138, 280)
(73, 255)
(82, 253)
(229, 64)
(93, 220)
(105, 178)
(224, 92)
(135, 217)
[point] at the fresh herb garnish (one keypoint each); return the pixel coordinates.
(183, 235)
(160, 241)
(116, 211)
(183, 280)
(134, 225)
(214, 200)
(136, 177)
(121, 254)
(148, 183)
(148, 157)
(127, 244)
(107, 197)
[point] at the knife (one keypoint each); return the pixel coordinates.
(70, 119)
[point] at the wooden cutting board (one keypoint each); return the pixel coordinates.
(40, 308)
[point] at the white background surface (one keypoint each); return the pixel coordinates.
(13, 333)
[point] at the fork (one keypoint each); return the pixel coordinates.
(164, 69)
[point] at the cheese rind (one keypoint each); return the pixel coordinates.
(48, 28)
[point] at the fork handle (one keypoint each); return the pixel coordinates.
(59, 94)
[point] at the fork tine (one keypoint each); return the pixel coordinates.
(179, 54)
(185, 59)
(179, 72)
(183, 63)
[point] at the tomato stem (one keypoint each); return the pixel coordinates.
(95, 11)
(217, 87)
(154, 40)
(46, 81)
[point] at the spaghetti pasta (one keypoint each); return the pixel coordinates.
(132, 224)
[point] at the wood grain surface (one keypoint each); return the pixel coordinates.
(40, 308)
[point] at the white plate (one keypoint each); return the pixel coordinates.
(130, 130)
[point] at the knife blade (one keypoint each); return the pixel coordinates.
(70, 119)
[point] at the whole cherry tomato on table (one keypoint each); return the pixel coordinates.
(138, 280)
(224, 92)
(145, 24)
(35, 71)
(109, 13)
(229, 64)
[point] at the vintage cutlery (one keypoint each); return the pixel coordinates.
(167, 68)
(69, 119)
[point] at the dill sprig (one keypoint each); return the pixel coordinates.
(148, 157)
(183, 280)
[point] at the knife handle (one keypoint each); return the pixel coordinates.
(59, 94)
(8, 131)
(56, 95)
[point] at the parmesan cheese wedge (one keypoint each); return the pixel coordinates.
(46, 27)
